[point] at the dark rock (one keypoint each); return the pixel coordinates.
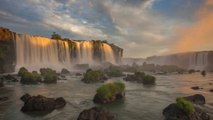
(196, 99)
(10, 78)
(172, 112)
(2, 99)
(98, 99)
(41, 103)
(211, 90)
(97, 114)
(196, 88)
(1, 82)
(65, 71)
(78, 74)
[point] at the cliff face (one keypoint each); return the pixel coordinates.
(193, 60)
(26, 50)
(7, 51)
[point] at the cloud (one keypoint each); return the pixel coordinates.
(138, 26)
(198, 36)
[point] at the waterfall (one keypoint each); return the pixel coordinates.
(35, 52)
(199, 60)
(108, 53)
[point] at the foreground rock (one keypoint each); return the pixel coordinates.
(188, 108)
(41, 103)
(109, 93)
(97, 114)
(196, 99)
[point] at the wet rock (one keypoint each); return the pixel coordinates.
(196, 99)
(1, 82)
(41, 103)
(211, 90)
(2, 99)
(196, 88)
(65, 71)
(97, 114)
(78, 74)
(11, 78)
(172, 112)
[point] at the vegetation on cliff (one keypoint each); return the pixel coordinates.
(109, 92)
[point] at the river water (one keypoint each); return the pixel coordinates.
(140, 103)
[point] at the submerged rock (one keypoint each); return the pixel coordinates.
(97, 114)
(173, 112)
(41, 103)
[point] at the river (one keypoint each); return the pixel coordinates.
(140, 103)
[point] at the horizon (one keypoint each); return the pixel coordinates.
(142, 28)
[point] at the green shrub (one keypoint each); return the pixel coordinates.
(22, 70)
(184, 105)
(49, 75)
(30, 78)
(111, 89)
(148, 79)
(93, 76)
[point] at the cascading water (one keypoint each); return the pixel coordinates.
(38, 52)
(108, 53)
(199, 60)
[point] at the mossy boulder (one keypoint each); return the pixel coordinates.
(141, 77)
(93, 76)
(30, 78)
(184, 105)
(186, 109)
(22, 70)
(109, 92)
(113, 71)
(49, 75)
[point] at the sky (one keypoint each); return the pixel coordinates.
(141, 27)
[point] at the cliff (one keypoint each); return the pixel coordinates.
(17, 50)
(202, 60)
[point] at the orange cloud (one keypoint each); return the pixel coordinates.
(198, 36)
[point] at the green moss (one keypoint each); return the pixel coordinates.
(49, 75)
(21, 71)
(30, 78)
(148, 79)
(185, 105)
(111, 89)
(93, 75)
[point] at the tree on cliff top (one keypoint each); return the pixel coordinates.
(56, 36)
